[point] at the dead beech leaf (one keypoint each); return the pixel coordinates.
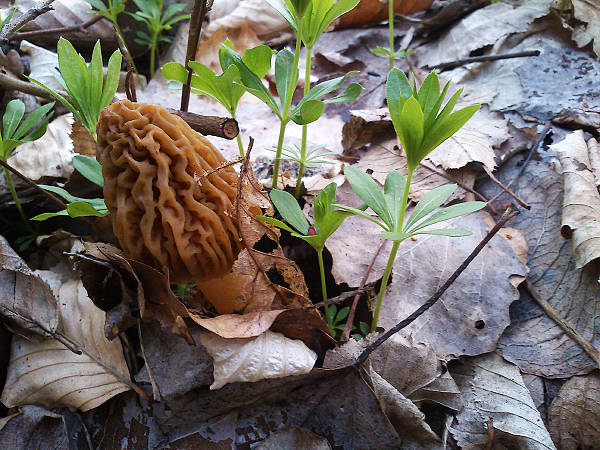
(370, 12)
(25, 298)
(270, 355)
(50, 155)
(581, 201)
(533, 341)
(494, 389)
(43, 371)
(574, 417)
(232, 326)
(480, 29)
(387, 156)
(589, 14)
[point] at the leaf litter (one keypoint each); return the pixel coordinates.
(412, 386)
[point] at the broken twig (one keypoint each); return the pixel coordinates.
(38, 9)
(473, 59)
(505, 189)
(508, 214)
(23, 35)
(223, 127)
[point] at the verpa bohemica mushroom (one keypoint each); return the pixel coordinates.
(168, 204)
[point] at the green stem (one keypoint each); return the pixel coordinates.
(324, 288)
(391, 32)
(392, 257)
(304, 126)
(286, 111)
(13, 191)
(128, 55)
(153, 51)
(238, 137)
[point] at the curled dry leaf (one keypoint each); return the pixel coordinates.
(574, 417)
(581, 201)
(25, 298)
(50, 155)
(270, 355)
(43, 371)
(370, 12)
(494, 389)
(232, 326)
(589, 14)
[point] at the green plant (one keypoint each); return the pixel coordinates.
(420, 129)
(151, 13)
(15, 133)
(88, 93)
(8, 18)
(326, 221)
(223, 87)
(309, 19)
(77, 206)
(307, 110)
(390, 52)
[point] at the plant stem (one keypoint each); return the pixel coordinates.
(238, 137)
(304, 126)
(153, 52)
(286, 110)
(324, 288)
(15, 197)
(391, 32)
(125, 47)
(392, 257)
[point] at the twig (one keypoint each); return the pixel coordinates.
(155, 389)
(125, 52)
(462, 62)
(464, 186)
(38, 9)
(223, 127)
(86, 432)
(508, 214)
(31, 183)
(9, 83)
(490, 428)
(505, 189)
(130, 84)
(60, 30)
(339, 299)
(239, 159)
(587, 347)
(537, 144)
(201, 7)
(350, 320)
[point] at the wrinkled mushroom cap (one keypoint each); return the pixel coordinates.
(165, 211)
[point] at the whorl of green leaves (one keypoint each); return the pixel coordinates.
(85, 85)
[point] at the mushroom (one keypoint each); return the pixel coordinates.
(170, 201)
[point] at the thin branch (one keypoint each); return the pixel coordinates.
(23, 35)
(537, 144)
(10, 83)
(201, 7)
(508, 214)
(339, 299)
(38, 9)
(223, 127)
(350, 320)
(586, 346)
(462, 62)
(155, 389)
(505, 189)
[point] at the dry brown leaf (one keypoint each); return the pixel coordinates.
(494, 389)
(581, 201)
(588, 13)
(25, 298)
(294, 438)
(270, 355)
(574, 417)
(43, 371)
(594, 154)
(370, 12)
(33, 427)
(50, 155)
(232, 326)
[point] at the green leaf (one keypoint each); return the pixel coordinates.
(364, 328)
(96, 78)
(60, 98)
(75, 74)
(89, 168)
(430, 201)
(48, 215)
(12, 116)
(396, 236)
(342, 314)
(369, 192)
(330, 312)
(393, 192)
(286, 74)
(431, 117)
(112, 80)
(79, 209)
(397, 91)
(322, 89)
(456, 232)
(349, 94)
(289, 209)
(289, 16)
(380, 51)
(461, 209)
(33, 118)
(411, 122)
(258, 59)
(442, 129)
(429, 94)
(277, 223)
(309, 112)
(361, 213)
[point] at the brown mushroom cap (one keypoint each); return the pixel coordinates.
(165, 211)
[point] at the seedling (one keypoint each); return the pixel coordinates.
(88, 93)
(420, 129)
(222, 88)
(15, 133)
(390, 53)
(151, 13)
(307, 110)
(326, 221)
(77, 206)
(309, 19)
